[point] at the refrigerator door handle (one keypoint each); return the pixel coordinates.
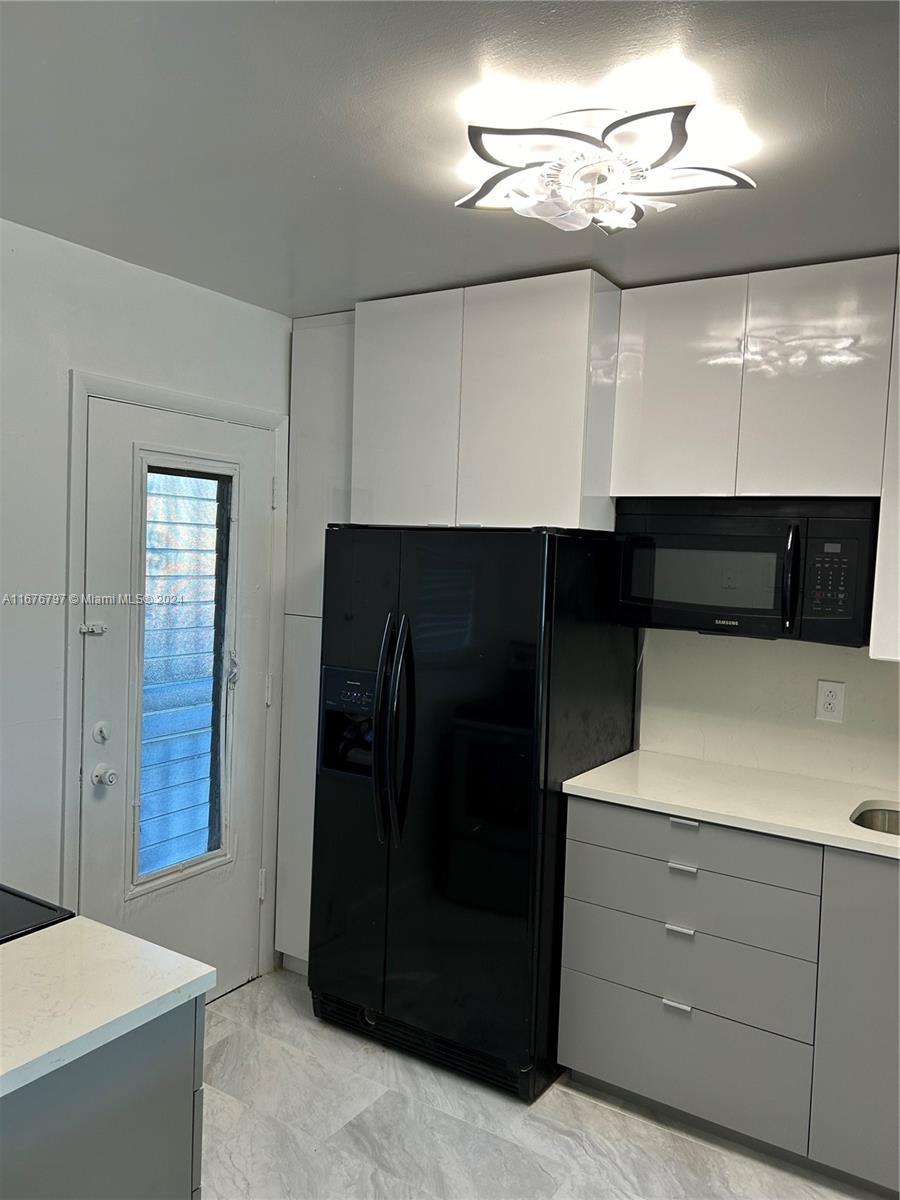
(405, 779)
(380, 730)
(393, 782)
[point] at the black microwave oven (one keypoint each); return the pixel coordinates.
(767, 568)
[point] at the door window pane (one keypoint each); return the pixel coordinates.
(180, 759)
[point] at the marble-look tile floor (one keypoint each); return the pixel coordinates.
(298, 1110)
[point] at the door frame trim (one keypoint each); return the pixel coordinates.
(83, 385)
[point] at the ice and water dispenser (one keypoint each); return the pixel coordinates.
(345, 721)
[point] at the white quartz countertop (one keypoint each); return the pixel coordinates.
(70, 988)
(794, 806)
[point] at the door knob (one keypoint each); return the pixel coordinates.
(104, 775)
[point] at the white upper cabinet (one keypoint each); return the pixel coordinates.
(319, 476)
(538, 390)
(816, 379)
(406, 409)
(678, 394)
(884, 641)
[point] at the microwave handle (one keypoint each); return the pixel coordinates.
(789, 579)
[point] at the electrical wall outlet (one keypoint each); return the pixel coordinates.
(829, 700)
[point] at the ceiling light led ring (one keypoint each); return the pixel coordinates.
(477, 134)
(740, 181)
(571, 178)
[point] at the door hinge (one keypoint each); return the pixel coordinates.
(262, 884)
(274, 491)
(95, 629)
(268, 691)
(234, 669)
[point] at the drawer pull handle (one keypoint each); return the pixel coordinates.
(682, 929)
(685, 1008)
(683, 867)
(685, 821)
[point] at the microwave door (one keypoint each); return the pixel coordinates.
(740, 584)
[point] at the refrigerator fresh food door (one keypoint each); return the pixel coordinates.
(464, 786)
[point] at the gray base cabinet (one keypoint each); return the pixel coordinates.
(742, 983)
(747, 979)
(855, 1115)
(121, 1123)
(740, 910)
(716, 1069)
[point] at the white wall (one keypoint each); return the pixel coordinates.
(739, 700)
(65, 307)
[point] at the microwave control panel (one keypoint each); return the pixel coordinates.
(831, 570)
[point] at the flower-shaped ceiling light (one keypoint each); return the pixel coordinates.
(581, 168)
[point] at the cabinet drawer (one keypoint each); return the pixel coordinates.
(758, 987)
(738, 852)
(770, 917)
(739, 1077)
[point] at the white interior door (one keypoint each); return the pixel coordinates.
(177, 574)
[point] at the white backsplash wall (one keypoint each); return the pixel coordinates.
(753, 703)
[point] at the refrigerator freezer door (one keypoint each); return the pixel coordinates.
(346, 954)
(467, 796)
(362, 569)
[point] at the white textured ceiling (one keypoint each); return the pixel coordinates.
(302, 155)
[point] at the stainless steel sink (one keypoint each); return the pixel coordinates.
(882, 820)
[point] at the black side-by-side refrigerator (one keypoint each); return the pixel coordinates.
(466, 673)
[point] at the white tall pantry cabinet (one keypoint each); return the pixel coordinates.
(319, 467)
(297, 787)
(318, 492)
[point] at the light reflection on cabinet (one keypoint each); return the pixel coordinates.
(815, 379)
(678, 392)
(774, 383)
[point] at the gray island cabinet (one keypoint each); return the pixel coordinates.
(734, 975)
(101, 1067)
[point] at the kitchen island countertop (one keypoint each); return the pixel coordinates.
(75, 986)
(793, 806)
